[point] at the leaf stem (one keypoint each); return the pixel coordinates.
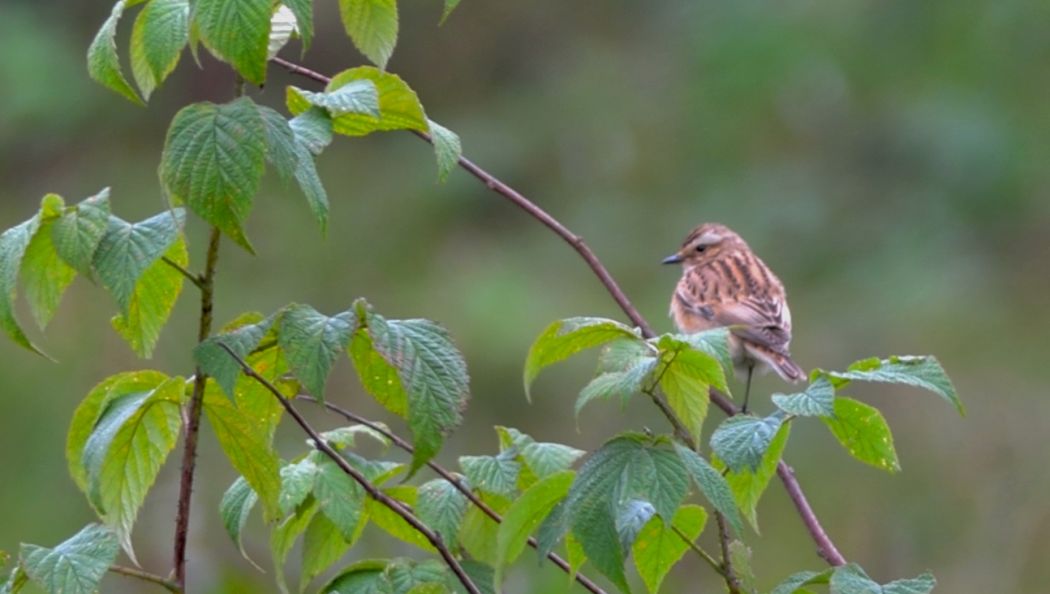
(196, 280)
(825, 547)
(373, 491)
(701, 552)
(193, 413)
(146, 577)
(441, 471)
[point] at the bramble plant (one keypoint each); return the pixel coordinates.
(642, 497)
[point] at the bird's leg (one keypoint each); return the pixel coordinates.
(747, 389)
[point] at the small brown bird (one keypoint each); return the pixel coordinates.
(724, 284)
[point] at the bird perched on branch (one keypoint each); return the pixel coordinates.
(724, 284)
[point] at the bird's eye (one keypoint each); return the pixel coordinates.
(700, 248)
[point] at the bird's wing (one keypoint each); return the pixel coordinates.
(766, 322)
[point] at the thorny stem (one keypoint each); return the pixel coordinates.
(146, 577)
(374, 492)
(732, 581)
(193, 413)
(454, 481)
(825, 547)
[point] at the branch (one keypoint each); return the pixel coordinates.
(455, 482)
(732, 581)
(374, 492)
(826, 548)
(701, 552)
(146, 577)
(193, 414)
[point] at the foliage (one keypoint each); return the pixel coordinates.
(640, 496)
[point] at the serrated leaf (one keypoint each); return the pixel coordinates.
(483, 576)
(235, 507)
(304, 19)
(77, 233)
(312, 341)
(712, 484)
(91, 409)
(297, 482)
(817, 400)
(126, 450)
(863, 431)
(659, 547)
(313, 129)
(214, 361)
(494, 474)
(524, 516)
(617, 384)
(323, 545)
(237, 32)
(919, 371)
(45, 275)
(284, 535)
(748, 485)
(74, 567)
(399, 106)
(359, 96)
(152, 301)
(923, 584)
(713, 342)
(701, 355)
(802, 578)
(545, 459)
(851, 579)
(741, 441)
(214, 158)
(418, 577)
(372, 26)
(340, 498)
(565, 338)
(127, 250)
(13, 244)
(441, 506)
(447, 149)
(246, 444)
(102, 61)
(158, 36)
(687, 378)
(282, 27)
(363, 577)
(281, 149)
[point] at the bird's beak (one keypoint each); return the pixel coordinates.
(672, 259)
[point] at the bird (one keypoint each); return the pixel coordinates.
(724, 284)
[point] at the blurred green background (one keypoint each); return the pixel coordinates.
(887, 158)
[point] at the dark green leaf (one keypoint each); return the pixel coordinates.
(235, 507)
(372, 26)
(851, 579)
(712, 484)
(631, 516)
(740, 441)
(340, 498)
(160, 33)
(281, 147)
(213, 159)
(414, 577)
(658, 547)
(817, 400)
(494, 474)
(238, 32)
(102, 61)
(313, 129)
(565, 338)
(77, 233)
(748, 485)
(617, 384)
(283, 536)
(363, 577)
(919, 371)
(304, 19)
(74, 567)
(13, 244)
(526, 514)
(863, 431)
(440, 505)
(127, 250)
(218, 364)
(312, 341)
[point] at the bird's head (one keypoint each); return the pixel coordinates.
(706, 243)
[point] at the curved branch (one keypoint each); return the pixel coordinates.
(373, 491)
(455, 482)
(825, 547)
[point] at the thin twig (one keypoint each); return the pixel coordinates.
(374, 492)
(146, 577)
(732, 581)
(701, 552)
(826, 548)
(186, 273)
(193, 413)
(455, 482)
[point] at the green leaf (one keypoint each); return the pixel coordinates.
(749, 485)
(282, 150)
(102, 61)
(323, 545)
(617, 384)
(345, 437)
(312, 341)
(851, 579)
(565, 338)
(740, 441)
(235, 507)
(712, 484)
(238, 32)
(282, 27)
(430, 370)
(817, 400)
(441, 506)
(127, 250)
(399, 106)
(526, 513)
(542, 458)
(246, 444)
(658, 547)
(13, 244)
(479, 533)
(450, 5)
(483, 576)
(802, 578)
(126, 450)
(152, 301)
(919, 371)
(740, 557)
(44, 274)
(297, 482)
(687, 379)
(923, 584)
(372, 26)
(77, 233)
(863, 431)
(447, 148)
(91, 409)
(161, 31)
(340, 498)
(74, 567)
(701, 356)
(363, 577)
(494, 474)
(304, 19)
(418, 577)
(283, 536)
(392, 523)
(357, 96)
(313, 129)
(713, 342)
(214, 158)
(214, 361)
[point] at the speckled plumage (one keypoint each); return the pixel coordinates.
(724, 284)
